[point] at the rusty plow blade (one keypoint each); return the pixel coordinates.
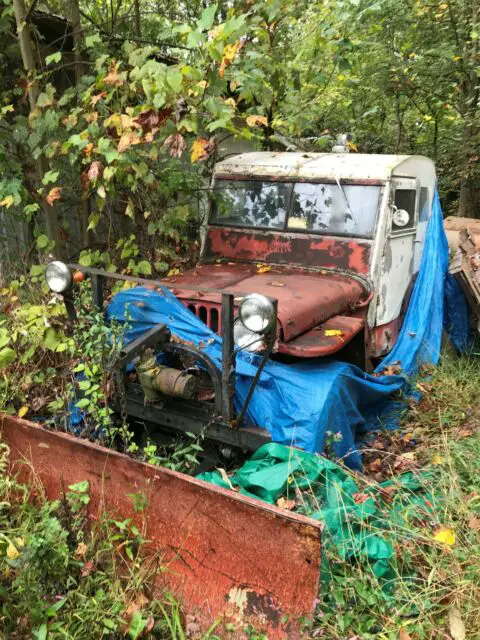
(225, 556)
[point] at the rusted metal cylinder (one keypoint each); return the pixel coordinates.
(156, 379)
(176, 383)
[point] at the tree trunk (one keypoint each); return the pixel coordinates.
(466, 202)
(50, 212)
(83, 207)
(138, 26)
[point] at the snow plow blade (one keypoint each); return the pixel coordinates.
(224, 556)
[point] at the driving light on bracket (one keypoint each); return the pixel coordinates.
(58, 276)
(256, 313)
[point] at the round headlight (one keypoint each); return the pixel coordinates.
(256, 313)
(58, 276)
(246, 339)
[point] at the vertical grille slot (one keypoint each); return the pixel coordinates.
(202, 314)
(214, 325)
(210, 315)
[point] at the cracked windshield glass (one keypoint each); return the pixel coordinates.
(334, 209)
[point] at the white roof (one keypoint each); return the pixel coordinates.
(315, 165)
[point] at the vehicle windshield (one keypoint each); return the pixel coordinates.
(325, 208)
(252, 203)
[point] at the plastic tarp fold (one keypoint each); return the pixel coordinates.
(309, 403)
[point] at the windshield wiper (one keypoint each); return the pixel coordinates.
(345, 199)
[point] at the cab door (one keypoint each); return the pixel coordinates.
(400, 248)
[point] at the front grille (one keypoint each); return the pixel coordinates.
(207, 313)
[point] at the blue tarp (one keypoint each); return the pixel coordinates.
(302, 403)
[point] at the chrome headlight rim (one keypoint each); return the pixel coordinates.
(265, 311)
(58, 276)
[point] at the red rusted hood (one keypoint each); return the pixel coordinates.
(305, 299)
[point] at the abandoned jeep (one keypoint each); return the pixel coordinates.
(305, 255)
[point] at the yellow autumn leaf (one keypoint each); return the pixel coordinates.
(437, 460)
(7, 202)
(445, 536)
(333, 332)
(256, 121)
(12, 551)
(22, 411)
(263, 268)
(228, 54)
(199, 151)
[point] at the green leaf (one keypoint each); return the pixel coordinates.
(207, 17)
(41, 633)
(144, 268)
(37, 270)
(51, 339)
(174, 79)
(50, 177)
(80, 487)
(54, 57)
(91, 41)
(7, 355)
(83, 385)
(85, 260)
(4, 337)
(83, 403)
(42, 241)
(52, 609)
(194, 39)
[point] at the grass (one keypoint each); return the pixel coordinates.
(436, 589)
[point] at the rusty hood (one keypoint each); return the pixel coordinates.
(305, 299)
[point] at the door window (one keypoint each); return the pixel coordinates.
(404, 201)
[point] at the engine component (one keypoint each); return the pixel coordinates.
(156, 379)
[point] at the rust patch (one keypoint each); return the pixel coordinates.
(295, 249)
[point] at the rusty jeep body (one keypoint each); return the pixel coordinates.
(303, 256)
(335, 238)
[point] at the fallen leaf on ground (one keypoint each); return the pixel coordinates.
(445, 536)
(360, 498)
(375, 465)
(466, 432)
(474, 523)
(22, 411)
(87, 569)
(283, 503)
(437, 460)
(263, 268)
(403, 635)
(333, 332)
(81, 550)
(457, 627)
